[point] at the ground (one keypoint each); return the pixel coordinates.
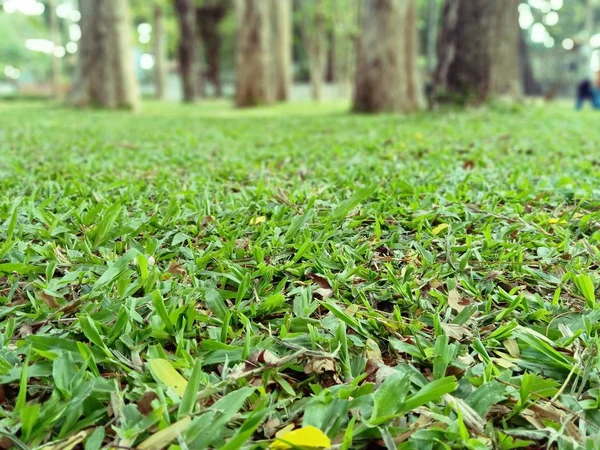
(423, 282)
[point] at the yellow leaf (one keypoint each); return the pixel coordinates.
(164, 372)
(306, 437)
(557, 221)
(437, 230)
(68, 444)
(257, 220)
(164, 437)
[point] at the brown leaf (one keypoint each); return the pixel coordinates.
(144, 405)
(6, 443)
(48, 300)
(457, 332)
(455, 301)
(176, 269)
(468, 165)
(320, 281)
(319, 366)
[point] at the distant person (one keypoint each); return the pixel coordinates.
(587, 88)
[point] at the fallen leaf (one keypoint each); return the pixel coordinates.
(455, 301)
(257, 220)
(48, 300)
(144, 405)
(176, 269)
(164, 437)
(512, 347)
(306, 437)
(164, 372)
(320, 281)
(437, 230)
(457, 332)
(319, 366)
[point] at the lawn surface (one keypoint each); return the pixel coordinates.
(204, 277)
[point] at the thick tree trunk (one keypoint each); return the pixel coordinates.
(345, 31)
(106, 72)
(253, 59)
(387, 76)
(160, 52)
(506, 72)
(208, 19)
(56, 62)
(315, 38)
(281, 13)
(189, 57)
(478, 50)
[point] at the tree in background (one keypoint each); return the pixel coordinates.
(159, 45)
(105, 75)
(345, 24)
(56, 62)
(433, 9)
(281, 40)
(208, 19)
(188, 52)
(253, 53)
(314, 34)
(478, 50)
(387, 76)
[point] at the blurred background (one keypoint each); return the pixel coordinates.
(189, 49)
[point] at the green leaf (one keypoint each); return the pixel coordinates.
(388, 399)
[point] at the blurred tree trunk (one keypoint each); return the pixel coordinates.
(530, 85)
(432, 33)
(281, 14)
(345, 27)
(478, 50)
(160, 52)
(56, 62)
(208, 18)
(387, 76)
(315, 38)
(189, 57)
(106, 72)
(253, 59)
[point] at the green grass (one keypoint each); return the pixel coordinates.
(208, 277)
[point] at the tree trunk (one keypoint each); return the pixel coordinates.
(189, 58)
(530, 85)
(106, 72)
(432, 33)
(160, 53)
(281, 12)
(315, 38)
(208, 18)
(56, 62)
(387, 76)
(253, 60)
(478, 50)
(506, 71)
(345, 31)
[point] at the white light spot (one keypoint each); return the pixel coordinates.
(568, 44)
(64, 10)
(144, 28)
(551, 18)
(74, 32)
(71, 47)
(549, 42)
(75, 16)
(556, 4)
(538, 33)
(146, 61)
(595, 41)
(12, 72)
(40, 45)
(59, 51)
(144, 38)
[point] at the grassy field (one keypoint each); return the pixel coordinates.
(199, 277)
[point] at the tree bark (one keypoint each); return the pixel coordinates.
(56, 62)
(253, 59)
(208, 19)
(281, 13)
(345, 31)
(315, 38)
(106, 72)
(478, 50)
(530, 85)
(188, 52)
(160, 52)
(387, 76)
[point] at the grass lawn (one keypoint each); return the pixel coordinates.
(201, 277)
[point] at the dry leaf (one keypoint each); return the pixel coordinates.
(176, 269)
(48, 300)
(457, 332)
(144, 405)
(455, 301)
(319, 366)
(164, 437)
